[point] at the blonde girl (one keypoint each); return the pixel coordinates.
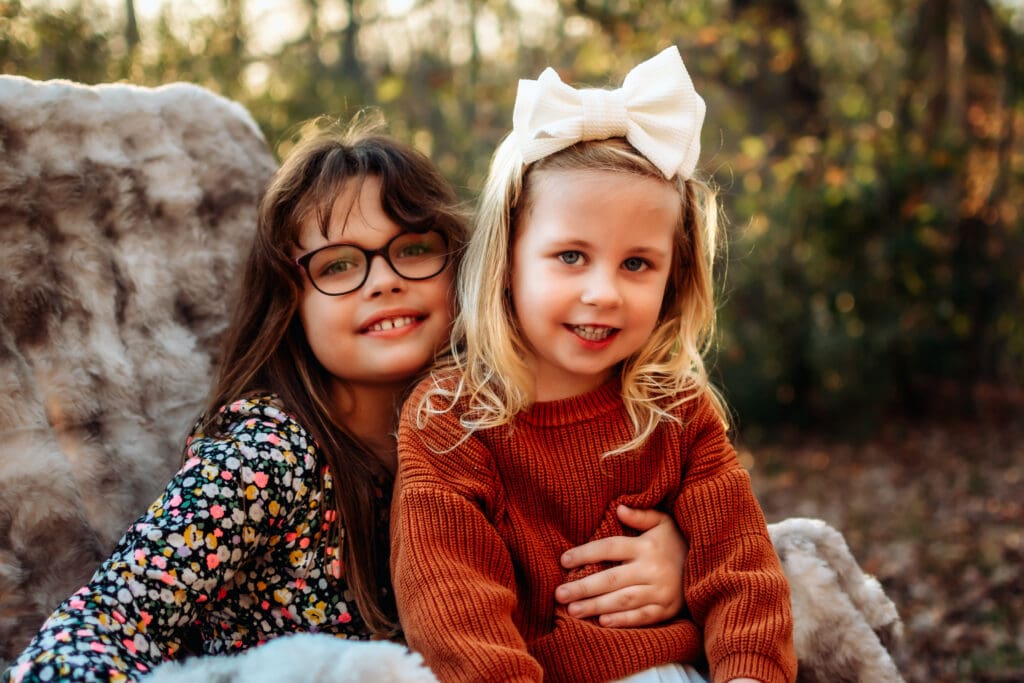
(576, 384)
(277, 523)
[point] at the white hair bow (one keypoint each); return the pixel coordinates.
(657, 110)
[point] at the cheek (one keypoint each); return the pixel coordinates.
(315, 320)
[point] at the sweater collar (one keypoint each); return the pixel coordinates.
(604, 399)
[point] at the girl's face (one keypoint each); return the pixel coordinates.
(387, 331)
(590, 263)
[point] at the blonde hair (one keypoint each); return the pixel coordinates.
(665, 373)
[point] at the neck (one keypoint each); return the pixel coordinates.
(371, 414)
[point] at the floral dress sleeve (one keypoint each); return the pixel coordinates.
(234, 495)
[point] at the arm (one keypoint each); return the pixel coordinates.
(645, 589)
(453, 576)
(135, 610)
(736, 589)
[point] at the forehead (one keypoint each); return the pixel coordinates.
(354, 214)
(600, 203)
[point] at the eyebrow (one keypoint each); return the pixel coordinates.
(584, 244)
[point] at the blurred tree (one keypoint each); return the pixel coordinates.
(868, 154)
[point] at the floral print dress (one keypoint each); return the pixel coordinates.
(237, 550)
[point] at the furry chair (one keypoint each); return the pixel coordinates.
(124, 212)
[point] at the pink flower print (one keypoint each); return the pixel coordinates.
(76, 604)
(118, 617)
(175, 500)
(344, 618)
(261, 479)
(212, 561)
(18, 674)
(97, 647)
(159, 561)
(226, 475)
(130, 644)
(273, 439)
(216, 511)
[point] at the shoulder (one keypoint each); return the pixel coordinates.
(434, 407)
(254, 431)
(698, 410)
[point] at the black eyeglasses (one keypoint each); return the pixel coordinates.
(338, 269)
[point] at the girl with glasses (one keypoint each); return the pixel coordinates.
(277, 522)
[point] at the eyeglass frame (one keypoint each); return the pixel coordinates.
(304, 260)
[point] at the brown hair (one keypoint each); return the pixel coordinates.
(265, 348)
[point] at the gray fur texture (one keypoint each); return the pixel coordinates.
(122, 215)
(844, 625)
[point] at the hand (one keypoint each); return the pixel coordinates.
(646, 588)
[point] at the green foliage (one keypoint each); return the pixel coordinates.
(866, 152)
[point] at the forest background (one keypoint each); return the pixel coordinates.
(870, 156)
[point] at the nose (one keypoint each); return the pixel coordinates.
(381, 278)
(601, 289)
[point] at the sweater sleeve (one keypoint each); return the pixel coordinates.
(736, 589)
(452, 573)
(217, 511)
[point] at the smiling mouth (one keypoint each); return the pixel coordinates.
(392, 323)
(591, 333)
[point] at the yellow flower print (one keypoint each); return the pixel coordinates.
(296, 557)
(283, 596)
(315, 615)
(193, 537)
(273, 507)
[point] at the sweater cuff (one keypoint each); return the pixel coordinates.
(749, 665)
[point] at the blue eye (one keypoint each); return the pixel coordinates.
(635, 264)
(570, 258)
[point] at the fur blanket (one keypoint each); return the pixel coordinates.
(123, 212)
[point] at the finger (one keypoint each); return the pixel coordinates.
(626, 599)
(611, 549)
(642, 616)
(601, 583)
(640, 519)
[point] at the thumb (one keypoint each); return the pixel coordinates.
(641, 520)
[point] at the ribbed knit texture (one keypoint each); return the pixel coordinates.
(477, 533)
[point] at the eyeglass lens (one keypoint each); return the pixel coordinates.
(343, 268)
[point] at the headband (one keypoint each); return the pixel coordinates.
(657, 110)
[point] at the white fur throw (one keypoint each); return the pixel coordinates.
(843, 622)
(303, 658)
(123, 211)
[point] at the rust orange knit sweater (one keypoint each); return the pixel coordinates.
(477, 533)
